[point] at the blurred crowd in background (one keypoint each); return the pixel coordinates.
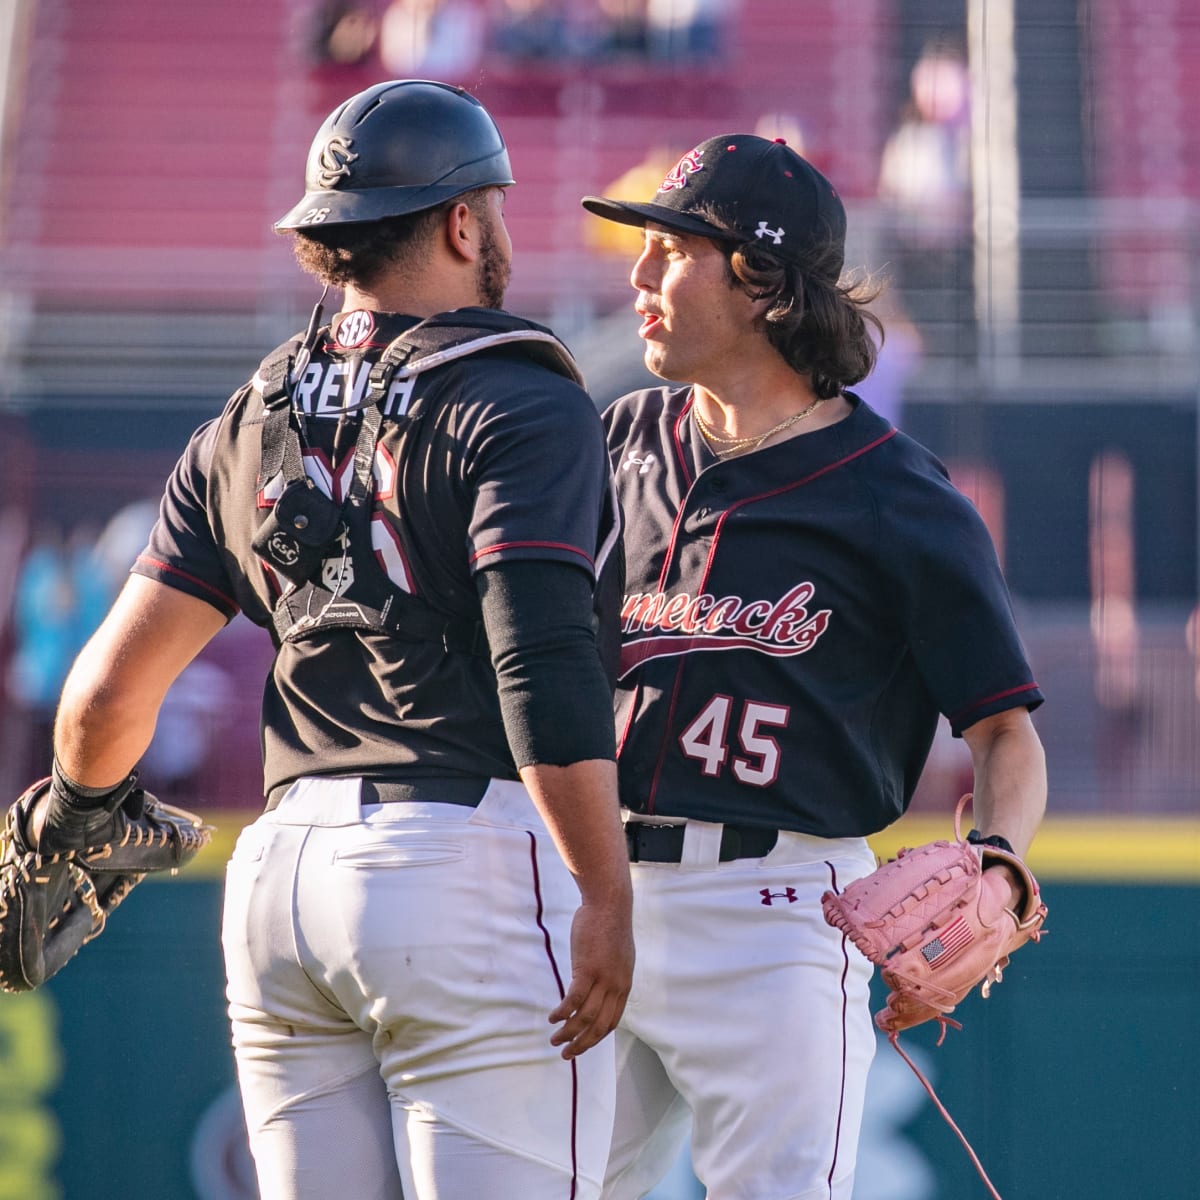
(441, 39)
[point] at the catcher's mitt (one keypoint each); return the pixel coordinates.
(52, 903)
(936, 925)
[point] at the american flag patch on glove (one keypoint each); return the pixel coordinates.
(949, 941)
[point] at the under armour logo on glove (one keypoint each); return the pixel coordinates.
(769, 897)
(764, 230)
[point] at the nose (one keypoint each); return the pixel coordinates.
(643, 277)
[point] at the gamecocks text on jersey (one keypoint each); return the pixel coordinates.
(683, 624)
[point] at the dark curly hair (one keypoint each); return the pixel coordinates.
(821, 326)
(360, 254)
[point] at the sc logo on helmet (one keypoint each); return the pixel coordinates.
(336, 157)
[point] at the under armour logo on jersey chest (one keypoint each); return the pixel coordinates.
(641, 463)
(769, 897)
(326, 389)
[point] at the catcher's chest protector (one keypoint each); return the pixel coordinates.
(322, 550)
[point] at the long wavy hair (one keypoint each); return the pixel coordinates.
(818, 323)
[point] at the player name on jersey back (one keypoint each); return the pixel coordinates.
(327, 389)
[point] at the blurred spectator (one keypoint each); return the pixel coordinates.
(123, 538)
(91, 587)
(686, 29)
(924, 174)
(620, 29)
(46, 635)
(195, 713)
(925, 186)
(44, 622)
(343, 32)
(431, 39)
(778, 124)
(898, 357)
(533, 31)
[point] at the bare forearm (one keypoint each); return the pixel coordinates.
(1010, 778)
(99, 736)
(579, 805)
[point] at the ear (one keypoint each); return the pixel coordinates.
(759, 304)
(462, 232)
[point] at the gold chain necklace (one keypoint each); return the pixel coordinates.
(721, 446)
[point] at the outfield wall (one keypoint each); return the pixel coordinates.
(1080, 1077)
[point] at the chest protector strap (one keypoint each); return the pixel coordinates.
(323, 549)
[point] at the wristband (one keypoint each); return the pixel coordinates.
(75, 796)
(977, 839)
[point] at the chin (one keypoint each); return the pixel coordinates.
(657, 364)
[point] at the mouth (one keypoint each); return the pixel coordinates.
(650, 322)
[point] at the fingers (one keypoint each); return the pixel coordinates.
(587, 1019)
(602, 962)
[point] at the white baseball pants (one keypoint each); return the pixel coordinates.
(748, 1022)
(390, 974)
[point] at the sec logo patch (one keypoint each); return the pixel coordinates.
(355, 328)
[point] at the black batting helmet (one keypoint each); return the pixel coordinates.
(396, 148)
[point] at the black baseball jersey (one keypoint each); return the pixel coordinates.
(796, 618)
(488, 458)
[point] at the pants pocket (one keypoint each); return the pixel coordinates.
(375, 856)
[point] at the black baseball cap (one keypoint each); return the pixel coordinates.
(762, 187)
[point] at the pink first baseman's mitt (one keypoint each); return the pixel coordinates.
(936, 924)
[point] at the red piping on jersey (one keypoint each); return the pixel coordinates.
(628, 721)
(208, 587)
(837, 1136)
(833, 466)
(541, 924)
(499, 546)
(678, 440)
(962, 712)
(670, 554)
(662, 752)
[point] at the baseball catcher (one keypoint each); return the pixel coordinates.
(937, 922)
(59, 883)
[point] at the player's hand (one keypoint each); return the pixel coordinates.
(1014, 898)
(601, 975)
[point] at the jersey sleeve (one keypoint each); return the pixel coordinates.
(539, 473)
(182, 552)
(954, 604)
